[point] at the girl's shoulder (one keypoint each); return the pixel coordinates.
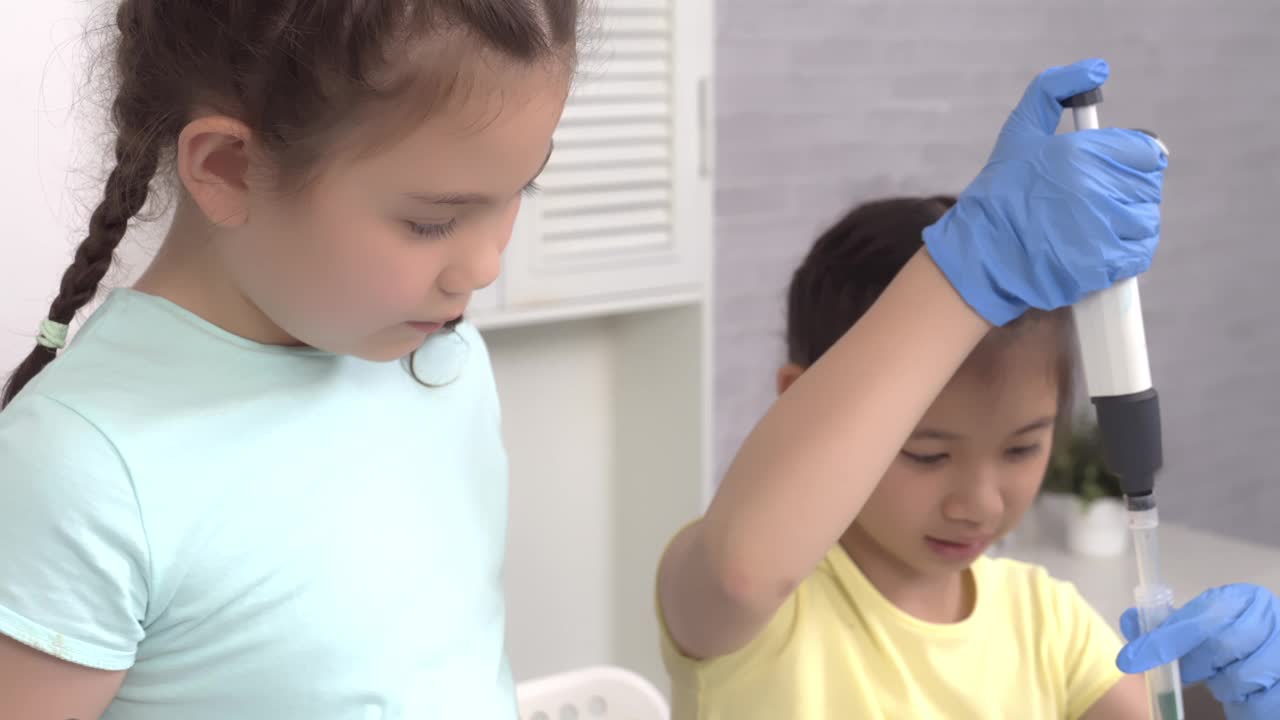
(72, 541)
(46, 441)
(57, 470)
(1028, 590)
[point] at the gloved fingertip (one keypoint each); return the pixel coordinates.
(1160, 149)
(1129, 625)
(1098, 69)
(1125, 269)
(1162, 157)
(1127, 662)
(1156, 138)
(1136, 149)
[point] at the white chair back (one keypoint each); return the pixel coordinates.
(594, 693)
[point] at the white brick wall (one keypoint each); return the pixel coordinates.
(826, 102)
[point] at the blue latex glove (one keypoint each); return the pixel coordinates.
(1228, 637)
(1052, 218)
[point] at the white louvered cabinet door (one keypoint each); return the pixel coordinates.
(625, 206)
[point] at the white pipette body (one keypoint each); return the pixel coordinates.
(1113, 340)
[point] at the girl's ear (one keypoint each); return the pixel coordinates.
(788, 374)
(214, 164)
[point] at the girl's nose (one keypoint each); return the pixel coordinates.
(977, 501)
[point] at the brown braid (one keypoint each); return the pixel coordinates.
(137, 158)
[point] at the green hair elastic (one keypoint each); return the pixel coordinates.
(53, 335)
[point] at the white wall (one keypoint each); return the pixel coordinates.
(557, 385)
(861, 99)
(55, 145)
(604, 427)
(37, 204)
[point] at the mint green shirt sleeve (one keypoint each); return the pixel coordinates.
(74, 564)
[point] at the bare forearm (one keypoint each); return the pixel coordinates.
(1126, 700)
(808, 467)
(35, 685)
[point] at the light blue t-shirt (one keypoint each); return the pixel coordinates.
(258, 532)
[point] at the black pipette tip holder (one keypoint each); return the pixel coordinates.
(1129, 430)
(1084, 99)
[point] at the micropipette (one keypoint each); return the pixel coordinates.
(1113, 351)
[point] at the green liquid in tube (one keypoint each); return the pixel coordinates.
(1169, 706)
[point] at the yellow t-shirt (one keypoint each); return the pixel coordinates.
(1032, 649)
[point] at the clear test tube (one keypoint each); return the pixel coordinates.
(1144, 519)
(1164, 684)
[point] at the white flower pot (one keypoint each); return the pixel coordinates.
(1100, 529)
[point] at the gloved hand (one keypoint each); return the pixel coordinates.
(1052, 218)
(1228, 637)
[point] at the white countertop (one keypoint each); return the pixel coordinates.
(1192, 561)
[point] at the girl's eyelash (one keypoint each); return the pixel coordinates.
(1023, 450)
(433, 231)
(446, 229)
(925, 459)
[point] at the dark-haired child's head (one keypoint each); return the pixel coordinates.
(976, 460)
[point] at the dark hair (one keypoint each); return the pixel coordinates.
(300, 74)
(852, 263)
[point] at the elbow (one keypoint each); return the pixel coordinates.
(715, 602)
(750, 583)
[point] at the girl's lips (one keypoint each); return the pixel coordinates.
(957, 551)
(426, 328)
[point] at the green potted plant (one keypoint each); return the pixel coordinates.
(1096, 524)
